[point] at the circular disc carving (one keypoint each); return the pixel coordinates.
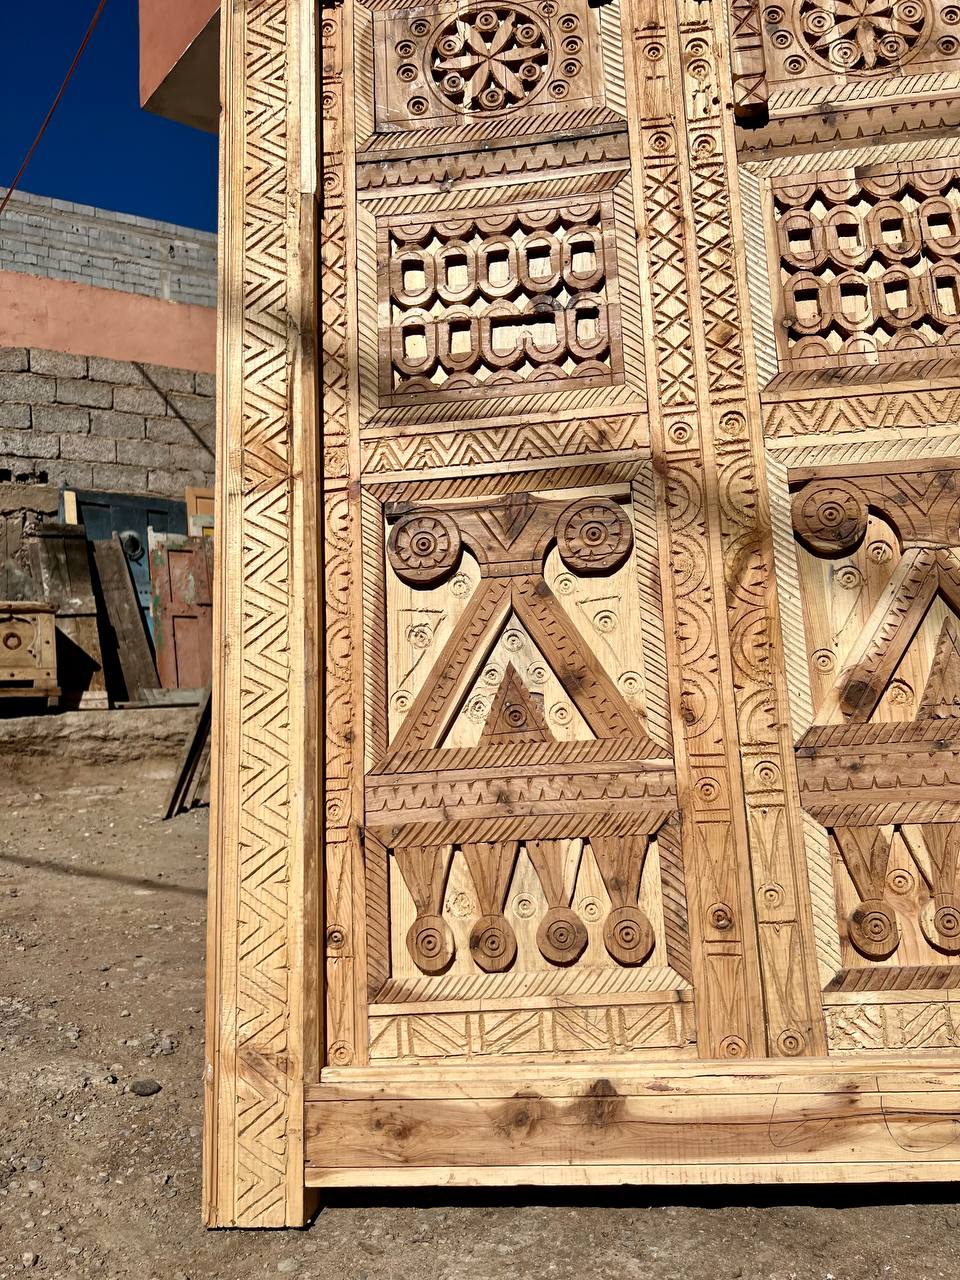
(493, 944)
(489, 58)
(562, 936)
(863, 40)
(628, 936)
(424, 546)
(430, 943)
(873, 929)
(940, 923)
(594, 535)
(830, 517)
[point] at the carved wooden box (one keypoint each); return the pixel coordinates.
(589, 599)
(28, 659)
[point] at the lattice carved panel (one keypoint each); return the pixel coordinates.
(865, 266)
(492, 304)
(496, 300)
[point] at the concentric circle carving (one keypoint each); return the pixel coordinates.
(493, 944)
(866, 36)
(489, 58)
(562, 936)
(593, 535)
(830, 517)
(424, 547)
(940, 923)
(430, 943)
(873, 929)
(628, 935)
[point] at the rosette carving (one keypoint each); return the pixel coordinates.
(424, 547)
(830, 516)
(594, 535)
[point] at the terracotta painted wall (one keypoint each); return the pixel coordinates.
(59, 315)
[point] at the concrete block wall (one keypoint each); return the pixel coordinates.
(63, 241)
(91, 423)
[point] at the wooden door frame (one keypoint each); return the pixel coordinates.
(262, 989)
(275, 1124)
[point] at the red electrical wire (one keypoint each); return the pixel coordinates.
(56, 102)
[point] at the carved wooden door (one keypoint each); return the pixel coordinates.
(567, 824)
(638, 640)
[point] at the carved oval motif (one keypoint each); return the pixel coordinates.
(593, 535)
(493, 944)
(430, 943)
(873, 929)
(940, 923)
(424, 546)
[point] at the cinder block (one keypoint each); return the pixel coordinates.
(206, 384)
(139, 400)
(173, 483)
(190, 458)
(89, 448)
(58, 363)
(29, 444)
(75, 475)
(178, 432)
(170, 379)
(13, 359)
(125, 426)
(97, 395)
(27, 388)
(196, 409)
(120, 479)
(15, 417)
(61, 418)
(145, 452)
(122, 371)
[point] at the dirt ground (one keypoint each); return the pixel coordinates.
(101, 985)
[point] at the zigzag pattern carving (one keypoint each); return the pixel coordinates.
(264, 837)
(530, 440)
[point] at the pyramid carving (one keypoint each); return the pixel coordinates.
(514, 715)
(941, 694)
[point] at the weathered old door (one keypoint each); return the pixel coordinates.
(635, 615)
(181, 576)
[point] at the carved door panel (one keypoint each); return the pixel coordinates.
(857, 326)
(877, 716)
(563, 824)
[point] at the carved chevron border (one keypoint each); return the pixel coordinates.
(255, 1051)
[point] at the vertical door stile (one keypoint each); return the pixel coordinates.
(743, 814)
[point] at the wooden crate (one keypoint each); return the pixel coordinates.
(28, 656)
(588, 613)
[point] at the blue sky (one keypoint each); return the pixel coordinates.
(101, 148)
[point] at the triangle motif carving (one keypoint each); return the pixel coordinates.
(941, 695)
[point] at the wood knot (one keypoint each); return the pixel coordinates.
(520, 1116)
(600, 1106)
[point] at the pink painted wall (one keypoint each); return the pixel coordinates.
(59, 315)
(167, 29)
